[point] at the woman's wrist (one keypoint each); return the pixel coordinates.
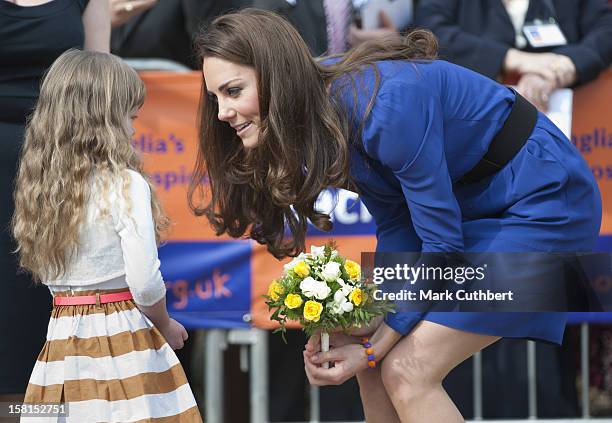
(383, 340)
(512, 60)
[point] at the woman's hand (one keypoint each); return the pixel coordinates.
(385, 30)
(336, 340)
(348, 360)
(348, 355)
(536, 89)
(123, 10)
(366, 330)
(359, 330)
(557, 69)
(564, 70)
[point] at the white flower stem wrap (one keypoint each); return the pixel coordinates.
(325, 347)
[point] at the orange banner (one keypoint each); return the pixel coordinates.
(592, 135)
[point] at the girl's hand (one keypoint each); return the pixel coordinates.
(174, 333)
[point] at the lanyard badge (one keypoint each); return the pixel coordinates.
(541, 34)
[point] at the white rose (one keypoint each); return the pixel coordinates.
(308, 286)
(347, 306)
(341, 305)
(317, 252)
(313, 288)
(346, 290)
(322, 290)
(331, 271)
(339, 296)
(345, 284)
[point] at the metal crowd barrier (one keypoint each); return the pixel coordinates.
(254, 359)
(152, 64)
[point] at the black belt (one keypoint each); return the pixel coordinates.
(507, 142)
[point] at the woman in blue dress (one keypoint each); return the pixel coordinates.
(415, 137)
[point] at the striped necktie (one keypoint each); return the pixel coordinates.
(338, 14)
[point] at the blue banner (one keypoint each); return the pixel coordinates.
(349, 214)
(209, 283)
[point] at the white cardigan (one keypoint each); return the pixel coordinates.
(119, 249)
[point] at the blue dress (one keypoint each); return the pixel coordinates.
(430, 123)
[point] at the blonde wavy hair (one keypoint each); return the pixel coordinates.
(77, 134)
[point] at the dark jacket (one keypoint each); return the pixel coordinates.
(307, 16)
(166, 31)
(478, 33)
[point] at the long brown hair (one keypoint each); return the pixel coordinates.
(77, 131)
(303, 144)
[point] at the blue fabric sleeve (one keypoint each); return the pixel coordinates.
(403, 322)
(405, 133)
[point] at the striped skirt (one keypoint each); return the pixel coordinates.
(109, 363)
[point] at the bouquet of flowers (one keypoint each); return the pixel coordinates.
(323, 291)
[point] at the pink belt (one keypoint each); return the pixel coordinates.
(92, 299)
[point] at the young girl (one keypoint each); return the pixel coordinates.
(445, 159)
(86, 223)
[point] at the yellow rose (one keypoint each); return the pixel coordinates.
(275, 290)
(353, 269)
(293, 301)
(357, 296)
(301, 269)
(312, 310)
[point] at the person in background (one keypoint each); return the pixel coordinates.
(123, 10)
(544, 44)
(33, 34)
(162, 29)
(328, 26)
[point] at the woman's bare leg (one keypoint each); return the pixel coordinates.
(412, 372)
(377, 405)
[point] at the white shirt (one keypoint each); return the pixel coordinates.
(517, 10)
(117, 249)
